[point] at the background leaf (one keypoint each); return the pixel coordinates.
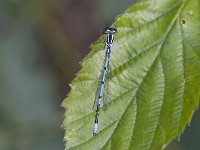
(154, 86)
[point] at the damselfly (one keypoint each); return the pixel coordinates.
(104, 73)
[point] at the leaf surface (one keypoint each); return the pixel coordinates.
(154, 86)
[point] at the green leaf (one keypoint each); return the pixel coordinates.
(155, 80)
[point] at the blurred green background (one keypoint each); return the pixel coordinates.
(41, 43)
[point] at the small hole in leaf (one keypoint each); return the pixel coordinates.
(183, 21)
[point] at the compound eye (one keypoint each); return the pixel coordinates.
(114, 30)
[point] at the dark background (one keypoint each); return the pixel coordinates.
(41, 45)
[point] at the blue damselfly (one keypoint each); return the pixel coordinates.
(104, 73)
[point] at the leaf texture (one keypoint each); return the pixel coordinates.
(154, 86)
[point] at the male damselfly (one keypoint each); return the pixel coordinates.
(104, 73)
